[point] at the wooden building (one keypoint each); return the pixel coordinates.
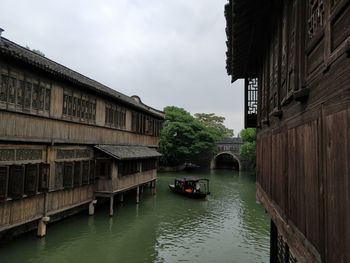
(65, 139)
(295, 58)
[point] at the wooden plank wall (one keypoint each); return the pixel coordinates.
(303, 155)
(337, 175)
(19, 211)
(134, 180)
(63, 200)
(16, 127)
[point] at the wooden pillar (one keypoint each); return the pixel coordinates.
(141, 189)
(121, 197)
(111, 200)
(42, 226)
(137, 194)
(92, 207)
(154, 184)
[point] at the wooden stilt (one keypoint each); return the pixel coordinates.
(111, 200)
(137, 194)
(141, 189)
(121, 197)
(154, 189)
(92, 207)
(42, 226)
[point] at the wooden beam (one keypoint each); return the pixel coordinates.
(300, 247)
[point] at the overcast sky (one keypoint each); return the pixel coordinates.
(168, 52)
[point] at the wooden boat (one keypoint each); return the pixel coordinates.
(191, 186)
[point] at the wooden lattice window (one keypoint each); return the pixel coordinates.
(149, 164)
(47, 97)
(44, 175)
(16, 182)
(104, 169)
(315, 18)
(85, 172)
(128, 167)
(42, 96)
(4, 177)
(59, 171)
(12, 89)
(20, 92)
(27, 94)
(36, 96)
(92, 171)
(3, 87)
(251, 102)
(77, 173)
(68, 172)
(31, 180)
(65, 104)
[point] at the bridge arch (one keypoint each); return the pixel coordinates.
(226, 160)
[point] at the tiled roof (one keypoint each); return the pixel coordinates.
(122, 152)
(27, 56)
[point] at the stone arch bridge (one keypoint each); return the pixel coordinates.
(227, 156)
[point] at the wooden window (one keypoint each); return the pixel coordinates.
(12, 89)
(3, 87)
(77, 173)
(85, 107)
(85, 172)
(149, 164)
(92, 171)
(36, 96)
(90, 110)
(78, 107)
(70, 105)
(103, 169)
(27, 94)
(65, 104)
(31, 179)
(315, 17)
(20, 92)
(93, 112)
(251, 102)
(59, 171)
(133, 121)
(44, 174)
(4, 177)
(106, 114)
(47, 97)
(68, 172)
(16, 181)
(128, 167)
(75, 106)
(110, 121)
(42, 96)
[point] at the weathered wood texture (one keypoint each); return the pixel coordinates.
(66, 199)
(21, 127)
(303, 154)
(14, 213)
(121, 183)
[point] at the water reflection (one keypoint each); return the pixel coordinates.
(227, 227)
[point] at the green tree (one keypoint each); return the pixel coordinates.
(248, 148)
(215, 124)
(183, 137)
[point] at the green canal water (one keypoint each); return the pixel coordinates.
(227, 227)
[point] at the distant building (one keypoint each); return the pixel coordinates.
(66, 139)
(295, 58)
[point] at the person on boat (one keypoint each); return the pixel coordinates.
(196, 188)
